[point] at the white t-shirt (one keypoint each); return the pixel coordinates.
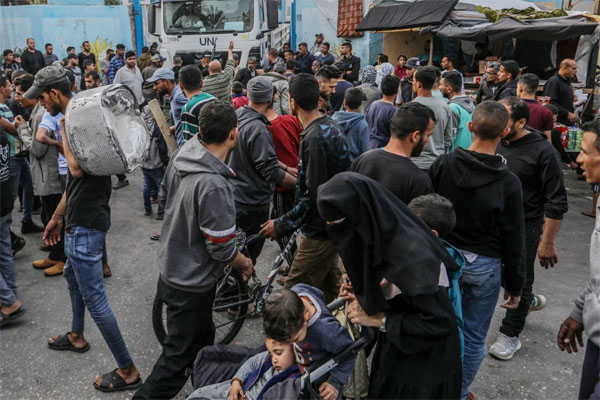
(52, 125)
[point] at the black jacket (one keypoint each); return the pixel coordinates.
(489, 209)
(533, 159)
(351, 63)
(507, 89)
(561, 95)
(244, 75)
(32, 62)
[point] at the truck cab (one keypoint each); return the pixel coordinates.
(191, 28)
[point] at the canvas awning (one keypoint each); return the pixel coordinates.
(407, 15)
(549, 29)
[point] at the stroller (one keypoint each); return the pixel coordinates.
(220, 362)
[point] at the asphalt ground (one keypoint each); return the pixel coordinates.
(29, 370)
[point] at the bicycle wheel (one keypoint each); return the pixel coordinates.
(231, 288)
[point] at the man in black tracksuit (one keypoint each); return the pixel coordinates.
(532, 158)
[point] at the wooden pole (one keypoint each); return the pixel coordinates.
(597, 7)
(163, 125)
(431, 49)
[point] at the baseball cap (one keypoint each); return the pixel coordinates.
(162, 73)
(412, 62)
(44, 78)
(157, 58)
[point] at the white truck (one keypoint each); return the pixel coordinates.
(191, 28)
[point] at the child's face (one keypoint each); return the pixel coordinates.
(282, 354)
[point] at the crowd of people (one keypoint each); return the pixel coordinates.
(416, 202)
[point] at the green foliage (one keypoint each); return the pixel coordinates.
(527, 13)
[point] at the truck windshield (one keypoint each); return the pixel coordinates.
(208, 16)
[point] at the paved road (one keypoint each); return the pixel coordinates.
(28, 370)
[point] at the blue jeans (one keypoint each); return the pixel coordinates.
(480, 287)
(20, 174)
(8, 280)
(83, 272)
(152, 179)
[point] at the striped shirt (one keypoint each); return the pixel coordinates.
(219, 85)
(190, 113)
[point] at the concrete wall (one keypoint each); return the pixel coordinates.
(320, 16)
(63, 26)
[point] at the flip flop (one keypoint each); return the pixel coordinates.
(6, 319)
(63, 343)
(118, 383)
(588, 214)
(155, 236)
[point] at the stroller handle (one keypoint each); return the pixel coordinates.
(367, 335)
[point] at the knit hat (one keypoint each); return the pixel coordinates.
(260, 89)
(369, 74)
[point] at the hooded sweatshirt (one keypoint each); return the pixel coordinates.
(587, 304)
(254, 161)
(356, 130)
(489, 209)
(533, 159)
(198, 233)
(282, 105)
(462, 109)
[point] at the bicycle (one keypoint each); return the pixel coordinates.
(233, 295)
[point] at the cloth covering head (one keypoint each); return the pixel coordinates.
(369, 74)
(384, 70)
(378, 237)
(260, 89)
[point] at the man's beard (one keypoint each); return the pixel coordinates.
(56, 109)
(416, 152)
(511, 134)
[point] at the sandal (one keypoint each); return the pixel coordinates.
(155, 236)
(589, 214)
(6, 319)
(106, 271)
(63, 343)
(113, 382)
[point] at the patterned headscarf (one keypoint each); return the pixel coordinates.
(369, 74)
(384, 70)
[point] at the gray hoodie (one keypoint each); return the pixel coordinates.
(282, 106)
(254, 161)
(587, 304)
(198, 233)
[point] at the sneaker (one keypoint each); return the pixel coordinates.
(44, 263)
(147, 212)
(120, 184)
(505, 347)
(160, 216)
(538, 302)
(56, 269)
(17, 245)
(31, 227)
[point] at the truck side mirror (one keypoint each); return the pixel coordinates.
(152, 19)
(272, 14)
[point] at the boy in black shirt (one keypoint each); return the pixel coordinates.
(410, 129)
(87, 213)
(489, 228)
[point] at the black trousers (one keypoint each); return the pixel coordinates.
(250, 221)
(49, 204)
(514, 321)
(190, 328)
(282, 203)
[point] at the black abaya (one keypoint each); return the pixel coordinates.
(419, 355)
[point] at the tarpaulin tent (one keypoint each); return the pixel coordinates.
(406, 15)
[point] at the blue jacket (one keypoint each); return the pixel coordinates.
(454, 292)
(356, 130)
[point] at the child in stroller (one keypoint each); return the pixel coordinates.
(324, 354)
